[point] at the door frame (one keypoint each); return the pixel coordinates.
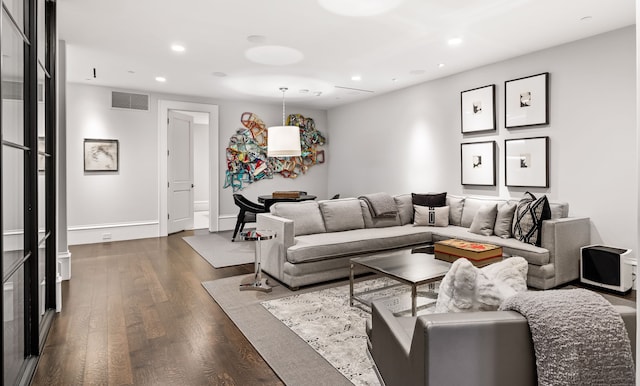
(163, 108)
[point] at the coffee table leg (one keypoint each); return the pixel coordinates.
(351, 284)
(414, 295)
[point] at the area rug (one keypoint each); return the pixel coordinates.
(311, 336)
(218, 249)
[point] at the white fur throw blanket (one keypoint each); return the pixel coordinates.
(578, 337)
(468, 288)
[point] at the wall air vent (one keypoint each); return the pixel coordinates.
(130, 101)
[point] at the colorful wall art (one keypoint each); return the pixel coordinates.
(247, 160)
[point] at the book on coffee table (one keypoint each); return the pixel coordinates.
(479, 254)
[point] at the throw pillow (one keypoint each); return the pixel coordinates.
(469, 288)
(528, 218)
(455, 204)
(341, 214)
(504, 219)
(431, 216)
(484, 220)
(430, 199)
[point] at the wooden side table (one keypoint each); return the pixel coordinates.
(256, 282)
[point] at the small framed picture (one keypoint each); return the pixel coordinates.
(526, 101)
(478, 110)
(478, 163)
(527, 162)
(101, 155)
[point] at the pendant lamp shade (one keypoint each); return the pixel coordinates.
(283, 141)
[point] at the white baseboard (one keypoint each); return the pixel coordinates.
(201, 206)
(101, 233)
(64, 265)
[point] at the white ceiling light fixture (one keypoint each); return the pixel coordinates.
(454, 41)
(283, 141)
(356, 78)
(274, 55)
(359, 8)
(177, 48)
(161, 79)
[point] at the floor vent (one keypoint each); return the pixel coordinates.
(127, 100)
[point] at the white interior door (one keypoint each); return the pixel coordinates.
(180, 172)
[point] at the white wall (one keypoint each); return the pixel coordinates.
(125, 204)
(409, 140)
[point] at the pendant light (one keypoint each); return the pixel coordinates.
(283, 141)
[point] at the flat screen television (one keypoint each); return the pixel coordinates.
(606, 267)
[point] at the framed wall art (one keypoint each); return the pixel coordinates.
(478, 163)
(101, 155)
(478, 110)
(526, 101)
(527, 162)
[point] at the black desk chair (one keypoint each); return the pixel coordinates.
(248, 211)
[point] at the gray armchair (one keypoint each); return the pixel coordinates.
(490, 348)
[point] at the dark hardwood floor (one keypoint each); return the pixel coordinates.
(135, 313)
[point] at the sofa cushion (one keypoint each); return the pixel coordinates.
(559, 209)
(405, 208)
(504, 220)
(528, 217)
(468, 288)
(433, 216)
(321, 246)
(455, 204)
(484, 220)
(341, 214)
(381, 222)
(510, 247)
(471, 207)
(305, 215)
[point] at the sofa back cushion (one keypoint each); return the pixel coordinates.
(405, 208)
(342, 214)
(305, 215)
(559, 209)
(381, 222)
(455, 204)
(471, 207)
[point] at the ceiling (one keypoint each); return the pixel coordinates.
(248, 49)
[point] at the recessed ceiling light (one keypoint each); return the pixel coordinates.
(161, 79)
(359, 8)
(356, 77)
(440, 65)
(454, 41)
(257, 38)
(219, 74)
(177, 48)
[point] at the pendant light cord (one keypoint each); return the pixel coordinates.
(283, 89)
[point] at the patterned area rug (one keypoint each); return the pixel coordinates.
(325, 320)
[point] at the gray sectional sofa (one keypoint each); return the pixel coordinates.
(316, 239)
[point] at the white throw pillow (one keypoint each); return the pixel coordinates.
(484, 220)
(469, 288)
(431, 216)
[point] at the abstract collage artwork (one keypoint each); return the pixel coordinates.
(247, 160)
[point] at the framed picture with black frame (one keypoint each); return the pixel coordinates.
(478, 163)
(478, 109)
(101, 155)
(526, 101)
(526, 162)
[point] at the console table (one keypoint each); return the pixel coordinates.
(269, 200)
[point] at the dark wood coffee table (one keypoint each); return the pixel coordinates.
(405, 267)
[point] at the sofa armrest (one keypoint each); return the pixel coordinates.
(390, 343)
(564, 237)
(274, 253)
(473, 348)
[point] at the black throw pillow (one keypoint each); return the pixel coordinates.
(432, 200)
(528, 218)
